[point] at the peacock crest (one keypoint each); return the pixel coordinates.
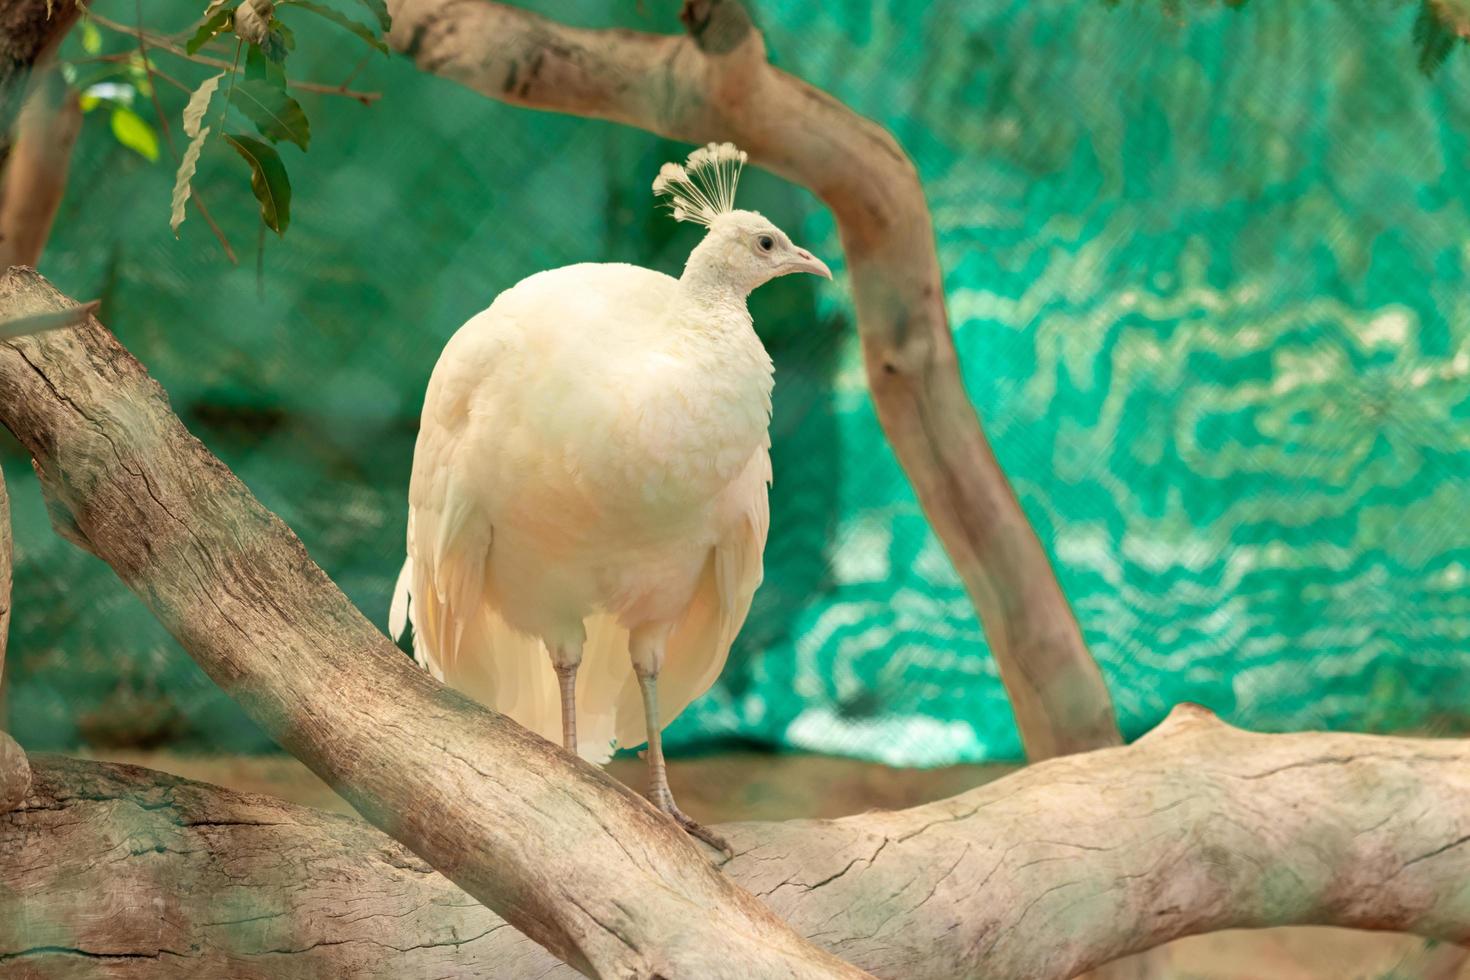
(704, 187)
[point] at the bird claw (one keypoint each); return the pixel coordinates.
(693, 828)
(711, 838)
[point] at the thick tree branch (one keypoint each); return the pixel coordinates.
(35, 176)
(15, 772)
(715, 84)
(1057, 868)
(573, 859)
(6, 559)
(29, 31)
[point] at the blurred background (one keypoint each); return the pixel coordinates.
(1207, 271)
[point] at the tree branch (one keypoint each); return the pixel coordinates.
(15, 772)
(715, 84)
(30, 30)
(35, 175)
(1060, 867)
(163, 43)
(578, 862)
(196, 196)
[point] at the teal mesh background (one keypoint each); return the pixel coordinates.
(1208, 282)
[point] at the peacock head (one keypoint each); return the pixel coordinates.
(743, 247)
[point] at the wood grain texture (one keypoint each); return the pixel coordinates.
(715, 84)
(570, 857)
(29, 31)
(15, 772)
(35, 175)
(119, 871)
(7, 559)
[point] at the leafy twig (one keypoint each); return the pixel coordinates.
(162, 43)
(234, 69)
(361, 64)
(168, 138)
(127, 59)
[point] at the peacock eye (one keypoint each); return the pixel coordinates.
(766, 242)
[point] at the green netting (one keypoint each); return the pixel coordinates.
(1208, 281)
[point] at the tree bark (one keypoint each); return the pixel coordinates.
(715, 84)
(35, 177)
(15, 772)
(578, 862)
(29, 31)
(1059, 867)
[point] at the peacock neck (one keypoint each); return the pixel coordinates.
(709, 284)
(704, 291)
(717, 380)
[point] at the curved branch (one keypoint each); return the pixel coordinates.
(15, 772)
(29, 31)
(1058, 868)
(35, 175)
(6, 559)
(578, 862)
(715, 84)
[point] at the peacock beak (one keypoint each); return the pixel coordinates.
(805, 261)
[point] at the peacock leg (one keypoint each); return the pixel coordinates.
(565, 659)
(658, 776)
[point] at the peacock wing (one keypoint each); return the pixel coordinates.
(450, 527)
(700, 644)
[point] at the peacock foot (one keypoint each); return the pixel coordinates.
(665, 802)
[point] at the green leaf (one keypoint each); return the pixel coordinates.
(278, 42)
(268, 180)
(273, 48)
(341, 20)
(214, 25)
(1434, 39)
(184, 179)
(131, 131)
(379, 9)
(199, 105)
(91, 37)
(275, 114)
(257, 65)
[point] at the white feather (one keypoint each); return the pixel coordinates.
(587, 459)
(398, 611)
(704, 187)
(592, 460)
